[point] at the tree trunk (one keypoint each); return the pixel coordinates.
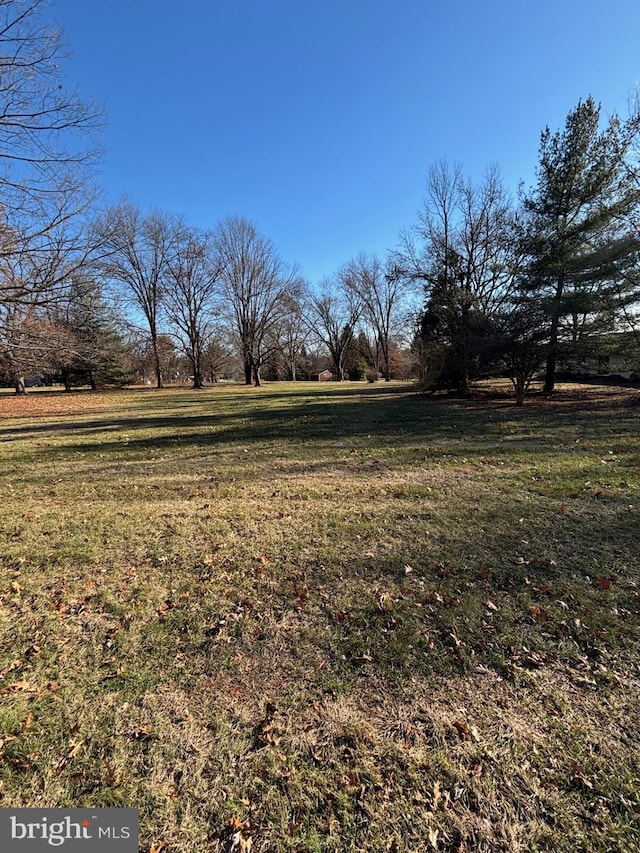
(196, 367)
(248, 371)
(463, 380)
(550, 373)
(19, 385)
(198, 384)
(384, 349)
(157, 368)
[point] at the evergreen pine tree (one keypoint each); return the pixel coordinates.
(577, 239)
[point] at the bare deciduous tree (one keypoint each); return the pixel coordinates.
(253, 279)
(34, 279)
(44, 146)
(45, 168)
(462, 250)
(190, 291)
(290, 331)
(332, 316)
(137, 251)
(381, 292)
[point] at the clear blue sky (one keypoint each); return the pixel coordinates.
(318, 119)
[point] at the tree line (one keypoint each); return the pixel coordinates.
(484, 283)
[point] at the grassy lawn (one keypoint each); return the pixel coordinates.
(325, 617)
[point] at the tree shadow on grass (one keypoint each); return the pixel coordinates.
(351, 416)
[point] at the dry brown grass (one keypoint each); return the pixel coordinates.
(325, 618)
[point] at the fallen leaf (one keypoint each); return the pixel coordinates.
(578, 775)
(384, 601)
(74, 747)
(17, 686)
(462, 729)
(295, 826)
(15, 664)
(238, 844)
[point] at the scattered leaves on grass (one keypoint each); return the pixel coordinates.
(74, 748)
(536, 563)
(353, 548)
(18, 687)
(264, 731)
(579, 777)
(385, 600)
(240, 840)
(15, 664)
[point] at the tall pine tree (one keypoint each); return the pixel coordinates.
(577, 237)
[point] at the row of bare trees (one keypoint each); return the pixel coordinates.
(231, 284)
(77, 282)
(481, 284)
(153, 278)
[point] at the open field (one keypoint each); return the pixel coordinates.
(325, 617)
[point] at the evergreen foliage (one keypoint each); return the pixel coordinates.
(578, 239)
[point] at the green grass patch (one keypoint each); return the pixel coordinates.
(325, 617)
